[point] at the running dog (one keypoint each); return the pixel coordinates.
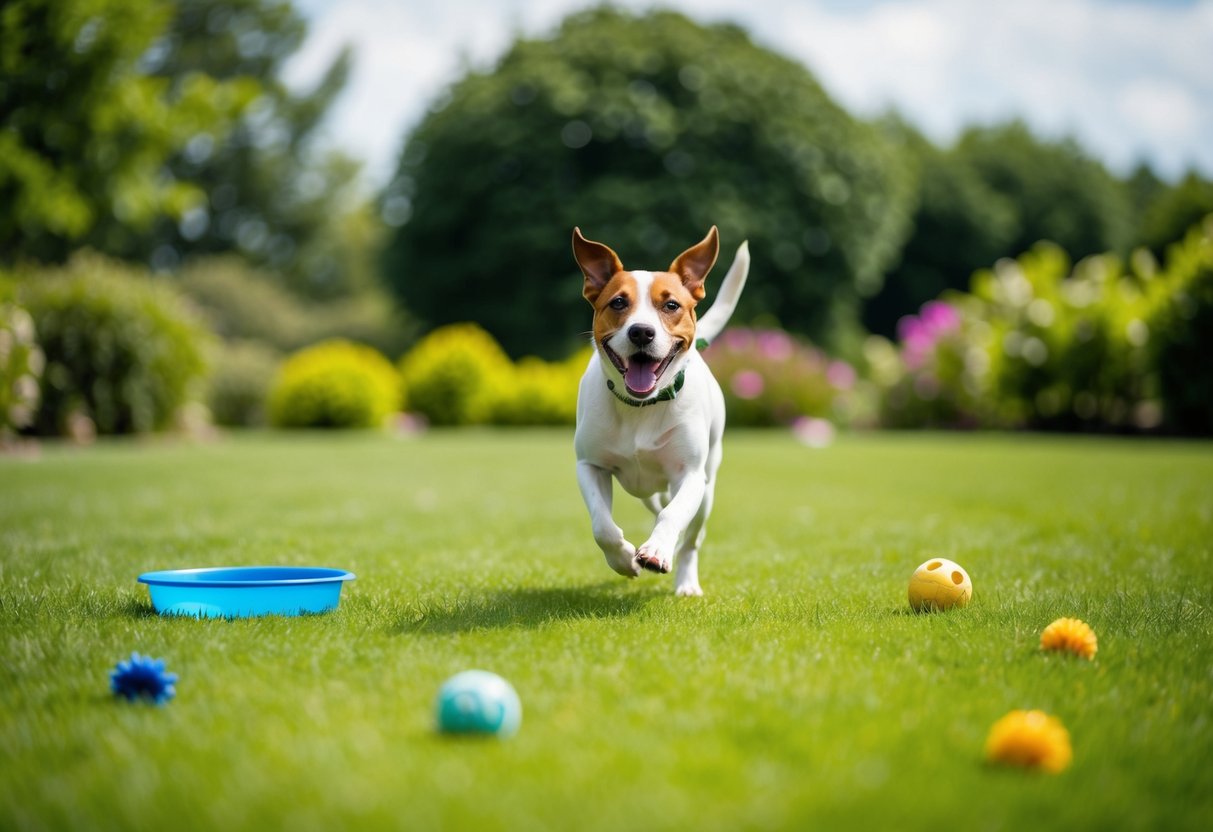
(649, 412)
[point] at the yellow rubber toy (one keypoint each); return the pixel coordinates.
(939, 585)
(1031, 739)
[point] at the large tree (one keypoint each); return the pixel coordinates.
(1173, 210)
(154, 130)
(960, 224)
(1059, 193)
(86, 132)
(996, 193)
(644, 131)
(273, 193)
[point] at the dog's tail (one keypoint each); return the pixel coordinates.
(714, 320)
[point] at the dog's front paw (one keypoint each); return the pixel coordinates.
(652, 556)
(622, 559)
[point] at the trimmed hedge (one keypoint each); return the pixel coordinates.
(456, 375)
(335, 384)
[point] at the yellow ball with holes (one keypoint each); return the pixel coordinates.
(939, 584)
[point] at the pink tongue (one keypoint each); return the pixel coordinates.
(641, 376)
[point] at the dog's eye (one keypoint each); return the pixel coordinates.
(619, 303)
(672, 306)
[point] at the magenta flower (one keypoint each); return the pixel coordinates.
(912, 331)
(920, 333)
(841, 375)
(748, 384)
(775, 345)
(737, 338)
(939, 317)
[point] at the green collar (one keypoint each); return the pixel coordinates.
(666, 393)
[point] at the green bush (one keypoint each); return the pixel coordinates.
(540, 392)
(1068, 347)
(1183, 334)
(770, 378)
(335, 384)
(456, 375)
(1035, 344)
(244, 303)
(21, 365)
(121, 348)
(240, 383)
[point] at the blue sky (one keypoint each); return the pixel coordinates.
(1130, 80)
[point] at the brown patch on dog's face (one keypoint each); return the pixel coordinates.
(675, 305)
(614, 304)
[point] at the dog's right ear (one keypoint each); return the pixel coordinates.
(598, 263)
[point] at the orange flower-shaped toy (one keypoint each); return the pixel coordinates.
(1031, 739)
(1070, 634)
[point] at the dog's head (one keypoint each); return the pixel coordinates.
(644, 322)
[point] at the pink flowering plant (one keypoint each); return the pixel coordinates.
(937, 375)
(771, 378)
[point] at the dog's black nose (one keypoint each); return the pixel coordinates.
(641, 334)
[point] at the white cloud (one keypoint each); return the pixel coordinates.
(1130, 80)
(1166, 110)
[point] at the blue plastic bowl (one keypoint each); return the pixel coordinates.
(245, 591)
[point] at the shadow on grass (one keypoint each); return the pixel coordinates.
(525, 607)
(137, 608)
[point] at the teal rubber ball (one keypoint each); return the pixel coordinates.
(478, 702)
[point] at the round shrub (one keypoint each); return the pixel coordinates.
(456, 375)
(769, 378)
(576, 128)
(240, 383)
(335, 384)
(21, 364)
(541, 392)
(121, 348)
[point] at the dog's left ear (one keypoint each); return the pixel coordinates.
(694, 264)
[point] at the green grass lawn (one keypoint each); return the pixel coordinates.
(800, 692)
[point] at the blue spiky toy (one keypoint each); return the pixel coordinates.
(142, 677)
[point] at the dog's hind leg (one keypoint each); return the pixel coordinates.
(656, 502)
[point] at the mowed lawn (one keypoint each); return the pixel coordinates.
(799, 693)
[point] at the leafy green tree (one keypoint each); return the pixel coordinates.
(271, 194)
(960, 224)
(86, 132)
(1057, 192)
(1143, 187)
(644, 130)
(996, 193)
(1174, 210)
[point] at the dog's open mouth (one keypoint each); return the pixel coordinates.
(641, 371)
